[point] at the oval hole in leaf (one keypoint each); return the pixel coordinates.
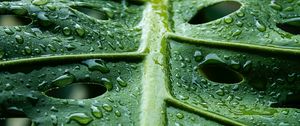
(214, 12)
(77, 91)
(220, 73)
(291, 26)
(291, 101)
(14, 20)
(9, 0)
(14, 117)
(91, 12)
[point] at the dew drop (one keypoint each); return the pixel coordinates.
(79, 30)
(179, 115)
(28, 50)
(228, 19)
(107, 107)
(275, 6)
(220, 92)
(64, 80)
(54, 119)
(237, 33)
(107, 83)
(66, 31)
(8, 31)
(118, 113)
(1, 53)
(121, 82)
(39, 2)
(260, 27)
(198, 56)
(96, 65)
(96, 112)
(80, 118)
(8, 87)
(19, 39)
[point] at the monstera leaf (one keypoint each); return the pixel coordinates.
(149, 63)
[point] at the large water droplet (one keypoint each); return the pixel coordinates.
(179, 115)
(96, 65)
(121, 82)
(96, 112)
(260, 27)
(107, 83)
(64, 80)
(79, 30)
(198, 56)
(39, 2)
(66, 31)
(19, 39)
(80, 118)
(107, 107)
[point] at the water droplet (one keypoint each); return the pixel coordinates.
(1, 53)
(228, 19)
(96, 112)
(19, 39)
(63, 80)
(8, 87)
(28, 50)
(54, 119)
(96, 65)
(179, 115)
(237, 33)
(80, 118)
(247, 66)
(107, 83)
(66, 31)
(70, 47)
(79, 30)
(288, 9)
(118, 113)
(220, 92)
(39, 2)
(53, 109)
(107, 107)
(239, 24)
(198, 56)
(240, 14)
(52, 48)
(121, 82)
(275, 6)
(261, 27)
(8, 31)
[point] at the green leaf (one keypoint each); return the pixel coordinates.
(149, 63)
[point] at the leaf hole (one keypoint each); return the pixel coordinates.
(14, 20)
(9, 0)
(220, 73)
(214, 12)
(291, 101)
(82, 90)
(14, 117)
(291, 26)
(101, 15)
